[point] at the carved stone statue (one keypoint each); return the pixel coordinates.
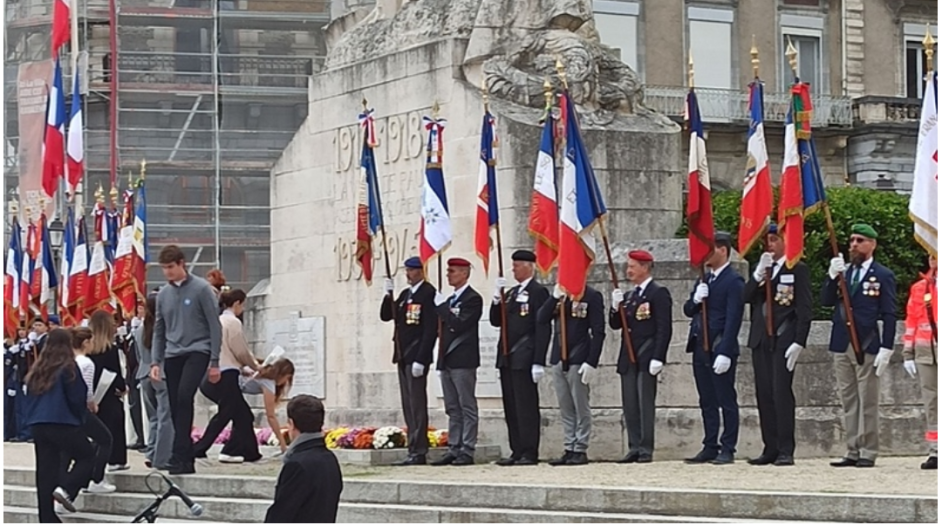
(515, 44)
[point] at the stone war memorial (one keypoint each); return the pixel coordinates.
(403, 60)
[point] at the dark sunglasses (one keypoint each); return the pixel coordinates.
(858, 240)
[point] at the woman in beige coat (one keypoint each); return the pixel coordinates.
(233, 356)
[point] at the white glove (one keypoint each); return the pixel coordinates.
(618, 297)
(440, 298)
(418, 369)
(721, 364)
(910, 366)
(557, 291)
(135, 323)
(838, 266)
(499, 284)
(438, 373)
(791, 356)
(765, 262)
(84, 323)
(586, 372)
(655, 367)
(882, 360)
(388, 286)
(32, 337)
(701, 293)
(122, 331)
(536, 372)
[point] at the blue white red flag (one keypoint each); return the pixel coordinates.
(54, 135)
(487, 208)
(700, 234)
(11, 281)
(369, 215)
(75, 149)
(435, 229)
(544, 211)
(756, 210)
(68, 249)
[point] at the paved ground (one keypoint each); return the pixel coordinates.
(892, 475)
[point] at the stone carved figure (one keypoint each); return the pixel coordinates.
(514, 43)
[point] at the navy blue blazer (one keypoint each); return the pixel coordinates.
(63, 404)
(872, 301)
(724, 314)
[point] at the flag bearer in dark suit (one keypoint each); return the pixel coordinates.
(872, 288)
(715, 371)
(648, 310)
(774, 358)
(414, 338)
(585, 333)
(522, 367)
(458, 361)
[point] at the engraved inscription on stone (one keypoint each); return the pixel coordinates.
(304, 344)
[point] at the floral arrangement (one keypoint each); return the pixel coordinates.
(389, 437)
(332, 436)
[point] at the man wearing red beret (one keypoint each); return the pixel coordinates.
(459, 356)
(648, 310)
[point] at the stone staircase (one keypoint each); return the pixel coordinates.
(245, 500)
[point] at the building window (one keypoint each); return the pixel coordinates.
(617, 24)
(914, 61)
(806, 3)
(711, 42)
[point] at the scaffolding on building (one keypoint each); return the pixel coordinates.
(209, 92)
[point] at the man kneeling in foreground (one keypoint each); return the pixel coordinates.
(310, 482)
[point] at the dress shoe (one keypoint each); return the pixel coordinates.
(136, 446)
(644, 458)
(411, 460)
(631, 457)
(844, 462)
(578, 458)
(563, 460)
(704, 456)
(865, 463)
(725, 458)
(525, 462)
(506, 462)
(447, 459)
(931, 463)
(784, 461)
(463, 460)
(762, 460)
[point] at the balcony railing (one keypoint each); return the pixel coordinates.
(732, 106)
(19, 10)
(196, 70)
(883, 110)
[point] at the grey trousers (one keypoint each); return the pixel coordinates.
(928, 380)
(638, 392)
(573, 397)
(160, 426)
(461, 405)
(859, 388)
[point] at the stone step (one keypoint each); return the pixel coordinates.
(580, 499)
(116, 508)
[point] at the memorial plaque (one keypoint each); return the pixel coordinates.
(304, 344)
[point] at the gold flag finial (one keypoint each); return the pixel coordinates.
(484, 94)
(13, 206)
(928, 44)
(364, 102)
(114, 195)
(100, 195)
(143, 169)
(561, 72)
(690, 68)
(755, 57)
(435, 109)
(548, 93)
(792, 55)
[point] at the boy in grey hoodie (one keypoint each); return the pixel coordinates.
(187, 338)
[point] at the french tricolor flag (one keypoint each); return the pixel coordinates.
(78, 273)
(435, 229)
(544, 211)
(76, 145)
(700, 233)
(582, 209)
(11, 281)
(488, 214)
(68, 249)
(27, 264)
(54, 137)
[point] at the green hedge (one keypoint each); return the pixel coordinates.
(887, 212)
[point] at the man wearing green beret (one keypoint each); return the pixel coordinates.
(872, 289)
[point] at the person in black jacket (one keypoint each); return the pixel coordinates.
(416, 330)
(649, 314)
(310, 483)
(520, 363)
(774, 354)
(585, 333)
(56, 395)
(458, 361)
(111, 408)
